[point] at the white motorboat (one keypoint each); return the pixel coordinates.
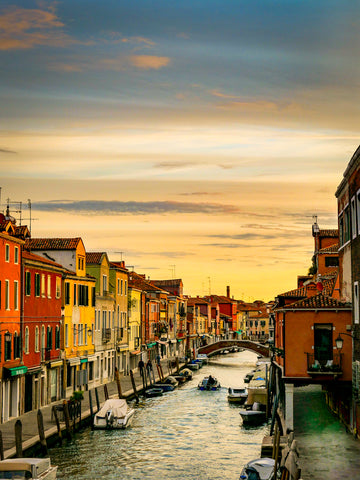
(237, 395)
(259, 469)
(115, 413)
(209, 383)
(27, 468)
(254, 416)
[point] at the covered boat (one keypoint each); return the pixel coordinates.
(254, 416)
(153, 392)
(115, 413)
(259, 469)
(186, 373)
(237, 395)
(27, 468)
(209, 383)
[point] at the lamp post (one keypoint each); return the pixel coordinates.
(339, 342)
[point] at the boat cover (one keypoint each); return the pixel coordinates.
(118, 406)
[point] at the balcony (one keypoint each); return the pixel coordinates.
(330, 367)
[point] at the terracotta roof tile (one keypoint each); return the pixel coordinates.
(37, 258)
(329, 233)
(318, 301)
(297, 292)
(52, 243)
(331, 249)
(94, 257)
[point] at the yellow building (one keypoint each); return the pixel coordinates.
(134, 325)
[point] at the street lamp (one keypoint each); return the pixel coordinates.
(339, 342)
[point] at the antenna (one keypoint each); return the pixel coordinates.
(121, 253)
(209, 286)
(172, 268)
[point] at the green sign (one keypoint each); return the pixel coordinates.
(17, 371)
(83, 360)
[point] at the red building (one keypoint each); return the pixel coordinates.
(42, 330)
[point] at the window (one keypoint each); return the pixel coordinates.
(42, 338)
(7, 349)
(323, 343)
(7, 295)
(58, 287)
(341, 230)
(347, 226)
(105, 285)
(118, 286)
(7, 253)
(331, 261)
(36, 339)
(93, 297)
(67, 293)
(43, 285)
(16, 295)
(57, 338)
(26, 346)
(27, 283)
(66, 335)
(49, 338)
(353, 218)
(121, 287)
(16, 345)
(49, 286)
(125, 289)
(75, 289)
(356, 302)
(37, 284)
(358, 211)
(16, 255)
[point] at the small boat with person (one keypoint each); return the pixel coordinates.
(27, 468)
(209, 383)
(237, 395)
(259, 469)
(114, 414)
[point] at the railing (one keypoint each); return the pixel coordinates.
(324, 365)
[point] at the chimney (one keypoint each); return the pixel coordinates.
(228, 291)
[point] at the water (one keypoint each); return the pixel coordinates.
(185, 434)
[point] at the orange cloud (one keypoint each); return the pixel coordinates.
(149, 62)
(22, 28)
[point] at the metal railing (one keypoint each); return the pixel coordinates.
(323, 364)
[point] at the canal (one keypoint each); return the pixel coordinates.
(187, 434)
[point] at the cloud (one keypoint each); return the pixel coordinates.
(173, 165)
(98, 207)
(149, 62)
(24, 28)
(5, 150)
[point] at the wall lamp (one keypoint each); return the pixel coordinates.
(339, 342)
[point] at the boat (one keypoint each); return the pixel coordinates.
(254, 416)
(153, 392)
(237, 395)
(259, 469)
(203, 357)
(186, 373)
(115, 413)
(248, 377)
(193, 365)
(180, 379)
(209, 383)
(27, 468)
(165, 387)
(171, 380)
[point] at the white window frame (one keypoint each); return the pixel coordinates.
(7, 295)
(358, 210)
(26, 346)
(16, 255)
(66, 335)
(49, 286)
(42, 285)
(16, 295)
(353, 217)
(7, 253)
(36, 339)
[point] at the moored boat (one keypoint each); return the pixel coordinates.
(259, 469)
(153, 392)
(186, 373)
(27, 468)
(114, 414)
(165, 387)
(237, 395)
(254, 416)
(209, 383)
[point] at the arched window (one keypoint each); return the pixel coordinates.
(42, 337)
(36, 339)
(26, 346)
(57, 338)
(16, 345)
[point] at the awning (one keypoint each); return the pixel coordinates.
(92, 358)
(74, 361)
(162, 342)
(135, 352)
(83, 360)
(152, 344)
(238, 331)
(13, 372)
(56, 363)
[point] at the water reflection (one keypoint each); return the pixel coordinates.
(187, 434)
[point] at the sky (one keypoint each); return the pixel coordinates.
(193, 139)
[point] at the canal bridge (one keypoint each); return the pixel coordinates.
(217, 347)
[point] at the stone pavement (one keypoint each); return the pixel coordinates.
(327, 451)
(30, 436)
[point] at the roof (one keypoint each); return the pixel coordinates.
(219, 299)
(37, 258)
(138, 281)
(318, 301)
(52, 243)
(332, 249)
(297, 292)
(197, 301)
(94, 257)
(172, 282)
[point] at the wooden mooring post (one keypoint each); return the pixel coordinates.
(97, 399)
(1, 447)
(134, 386)
(106, 393)
(56, 416)
(177, 365)
(40, 421)
(117, 378)
(67, 420)
(18, 438)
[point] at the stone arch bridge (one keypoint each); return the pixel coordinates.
(216, 347)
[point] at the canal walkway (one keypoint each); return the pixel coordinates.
(327, 450)
(30, 436)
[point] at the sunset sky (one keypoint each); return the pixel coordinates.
(191, 138)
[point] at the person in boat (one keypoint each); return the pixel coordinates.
(211, 380)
